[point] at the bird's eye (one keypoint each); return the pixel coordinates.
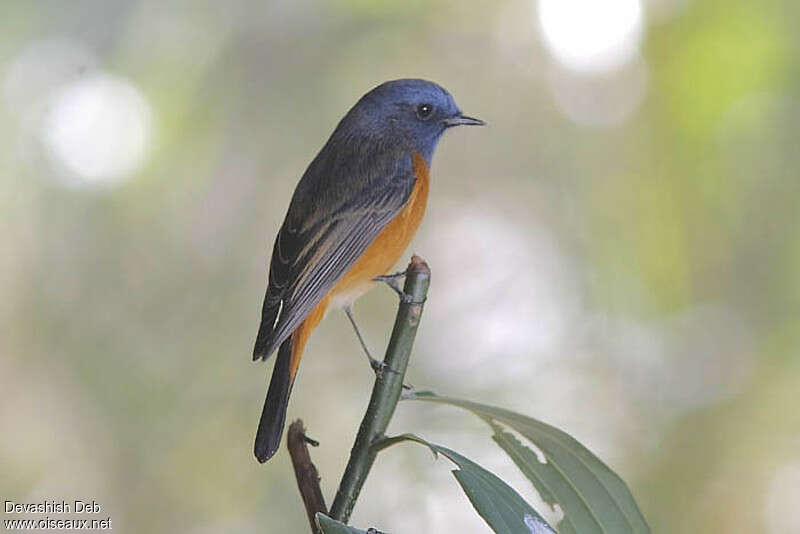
(424, 111)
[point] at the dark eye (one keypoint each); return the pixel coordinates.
(424, 111)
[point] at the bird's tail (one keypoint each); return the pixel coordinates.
(273, 416)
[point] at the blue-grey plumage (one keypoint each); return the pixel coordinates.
(366, 183)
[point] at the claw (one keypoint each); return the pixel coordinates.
(393, 276)
(377, 366)
(391, 281)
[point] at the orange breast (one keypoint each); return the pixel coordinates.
(390, 244)
(378, 259)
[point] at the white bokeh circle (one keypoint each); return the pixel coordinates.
(591, 35)
(98, 128)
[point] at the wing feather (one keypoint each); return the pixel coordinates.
(317, 245)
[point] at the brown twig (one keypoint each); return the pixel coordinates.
(305, 472)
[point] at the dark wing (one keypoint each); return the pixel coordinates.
(330, 223)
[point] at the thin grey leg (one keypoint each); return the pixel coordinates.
(376, 365)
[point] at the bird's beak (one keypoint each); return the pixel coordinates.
(462, 120)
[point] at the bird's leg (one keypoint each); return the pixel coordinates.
(391, 280)
(376, 365)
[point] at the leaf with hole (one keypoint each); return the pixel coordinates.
(593, 498)
(497, 503)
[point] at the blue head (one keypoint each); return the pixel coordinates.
(410, 113)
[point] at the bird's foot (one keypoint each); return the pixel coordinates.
(391, 280)
(380, 368)
(377, 366)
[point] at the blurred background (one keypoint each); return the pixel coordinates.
(617, 253)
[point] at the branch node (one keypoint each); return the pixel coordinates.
(305, 471)
(310, 441)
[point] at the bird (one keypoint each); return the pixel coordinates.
(351, 217)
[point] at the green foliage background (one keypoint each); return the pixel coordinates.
(127, 312)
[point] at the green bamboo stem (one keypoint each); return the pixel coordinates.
(386, 391)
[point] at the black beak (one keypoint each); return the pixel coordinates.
(462, 120)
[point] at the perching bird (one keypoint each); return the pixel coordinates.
(351, 217)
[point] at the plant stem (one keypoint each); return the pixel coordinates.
(387, 389)
(305, 472)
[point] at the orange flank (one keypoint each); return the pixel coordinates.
(377, 260)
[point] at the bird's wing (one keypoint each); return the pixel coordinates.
(328, 227)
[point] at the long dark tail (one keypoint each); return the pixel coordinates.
(273, 416)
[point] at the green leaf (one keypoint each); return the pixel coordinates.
(331, 526)
(594, 499)
(550, 484)
(497, 503)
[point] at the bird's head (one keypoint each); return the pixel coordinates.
(409, 112)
